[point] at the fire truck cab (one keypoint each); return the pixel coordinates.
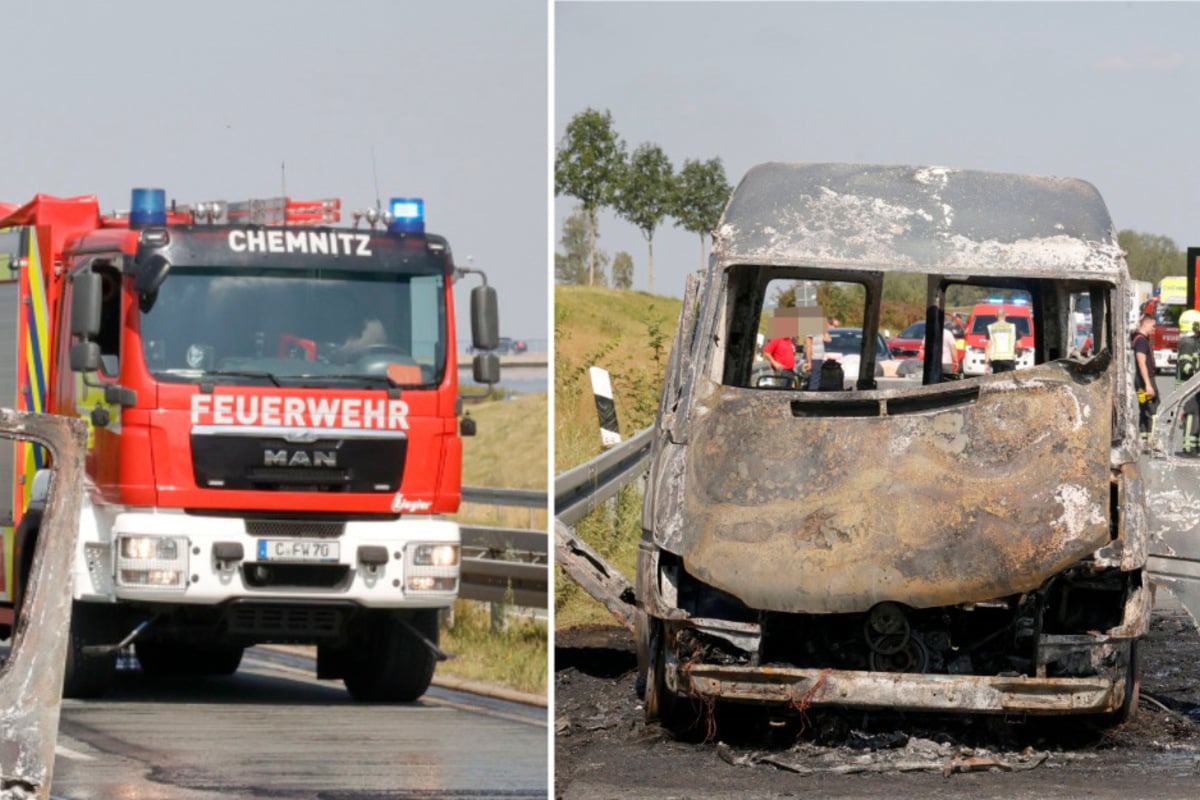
(273, 445)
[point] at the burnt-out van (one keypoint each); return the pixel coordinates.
(938, 543)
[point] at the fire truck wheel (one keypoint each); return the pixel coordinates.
(386, 663)
(174, 658)
(89, 676)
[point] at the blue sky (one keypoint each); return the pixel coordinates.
(232, 100)
(1100, 91)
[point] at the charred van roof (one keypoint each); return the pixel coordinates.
(931, 219)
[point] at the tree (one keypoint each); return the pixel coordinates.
(701, 192)
(571, 265)
(1150, 257)
(644, 196)
(588, 167)
(622, 271)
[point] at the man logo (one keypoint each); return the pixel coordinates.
(300, 458)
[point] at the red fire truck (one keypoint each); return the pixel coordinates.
(1169, 301)
(274, 434)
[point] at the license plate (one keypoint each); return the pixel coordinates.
(296, 550)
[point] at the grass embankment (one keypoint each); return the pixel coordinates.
(508, 451)
(629, 334)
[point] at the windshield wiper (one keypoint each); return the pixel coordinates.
(350, 376)
(240, 373)
(339, 376)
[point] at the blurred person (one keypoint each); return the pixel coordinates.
(1143, 357)
(781, 353)
(1002, 344)
(950, 354)
(1186, 366)
(814, 352)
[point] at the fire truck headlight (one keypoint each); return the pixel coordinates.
(435, 555)
(152, 561)
(432, 568)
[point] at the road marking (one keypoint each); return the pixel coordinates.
(433, 700)
(73, 754)
(276, 663)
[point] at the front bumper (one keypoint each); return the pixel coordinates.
(802, 688)
(219, 559)
(975, 361)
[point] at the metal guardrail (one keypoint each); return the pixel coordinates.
(505, 565)
(579, 491)
(523, 498)
(513, 564)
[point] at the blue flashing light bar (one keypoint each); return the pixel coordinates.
(408, 215)
(148, 207)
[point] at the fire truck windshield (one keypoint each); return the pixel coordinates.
(1167, 314)
(296, 327)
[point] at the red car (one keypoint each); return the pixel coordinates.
(910, 342)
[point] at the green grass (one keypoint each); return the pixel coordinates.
(517, 656)
(508, 451)
(629, 334)
(509, 447)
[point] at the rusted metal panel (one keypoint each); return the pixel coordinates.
(593, 572)
(813, 511)
(1173, 505)
(931, 218)
(31, 680)
(906, 692)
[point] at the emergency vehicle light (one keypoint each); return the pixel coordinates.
(148, 207)
(408, 215)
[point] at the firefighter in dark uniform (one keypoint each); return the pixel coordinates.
(1187, 365)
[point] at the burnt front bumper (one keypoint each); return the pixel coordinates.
(804, 688)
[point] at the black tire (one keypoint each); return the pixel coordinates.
(172, 658)
(1098, 723)
(678, 714)
(88, 676)
(641, 634)
(386, 663)
(1133, 687)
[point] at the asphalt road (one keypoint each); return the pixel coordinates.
(605, 750)
(271, 730)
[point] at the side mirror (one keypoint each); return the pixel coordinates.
(85, 357)
(485, 319)
(487, 368)
(85, 305)
(149, 276)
